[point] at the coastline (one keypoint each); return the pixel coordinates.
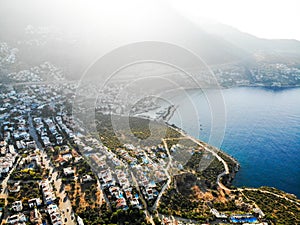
(267, 87)
(224, 179)
(277, 106)
(229, 171)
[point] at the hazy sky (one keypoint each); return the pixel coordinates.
(113, 23)
(262, 18)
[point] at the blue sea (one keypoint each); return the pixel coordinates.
(261, 130)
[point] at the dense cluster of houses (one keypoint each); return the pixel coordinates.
(117, 181)
(55, 215)
(19, 217)
(148, 167)
(8, 157)
(17, 145)
(34, 204)
(25, 76)
(8, 55)
(55, 128)
(117, 185)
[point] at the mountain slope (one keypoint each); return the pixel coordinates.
(281, 49)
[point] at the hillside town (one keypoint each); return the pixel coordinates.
(51, 168)
(261, 74)
(58, 169)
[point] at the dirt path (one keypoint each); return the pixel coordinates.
(269, 192)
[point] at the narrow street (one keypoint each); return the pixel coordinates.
(64, 203)
(3, 193)
(148, 215)
(226, 168)
(4, 182)
(33, 133)
(167, 185)
(269, 192)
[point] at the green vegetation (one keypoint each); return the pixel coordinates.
(27, 191)
(145, 132)
(232, 164)
(279, 192)
(27, 174)
(189, 194)
(2, 202)
(278, 210)
(228, 206)
(103, 216)
(177, 204)
(207, 169)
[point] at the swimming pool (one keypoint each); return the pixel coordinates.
(243, 219)
(31, 166)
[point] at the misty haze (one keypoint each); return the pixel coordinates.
(149, 112)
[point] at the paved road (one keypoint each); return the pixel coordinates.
(157, 201)
(4, 182)
(33, 133)
(148, 215)
(226, 171)
(63, 205)
(226, 168)
(4, 193)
